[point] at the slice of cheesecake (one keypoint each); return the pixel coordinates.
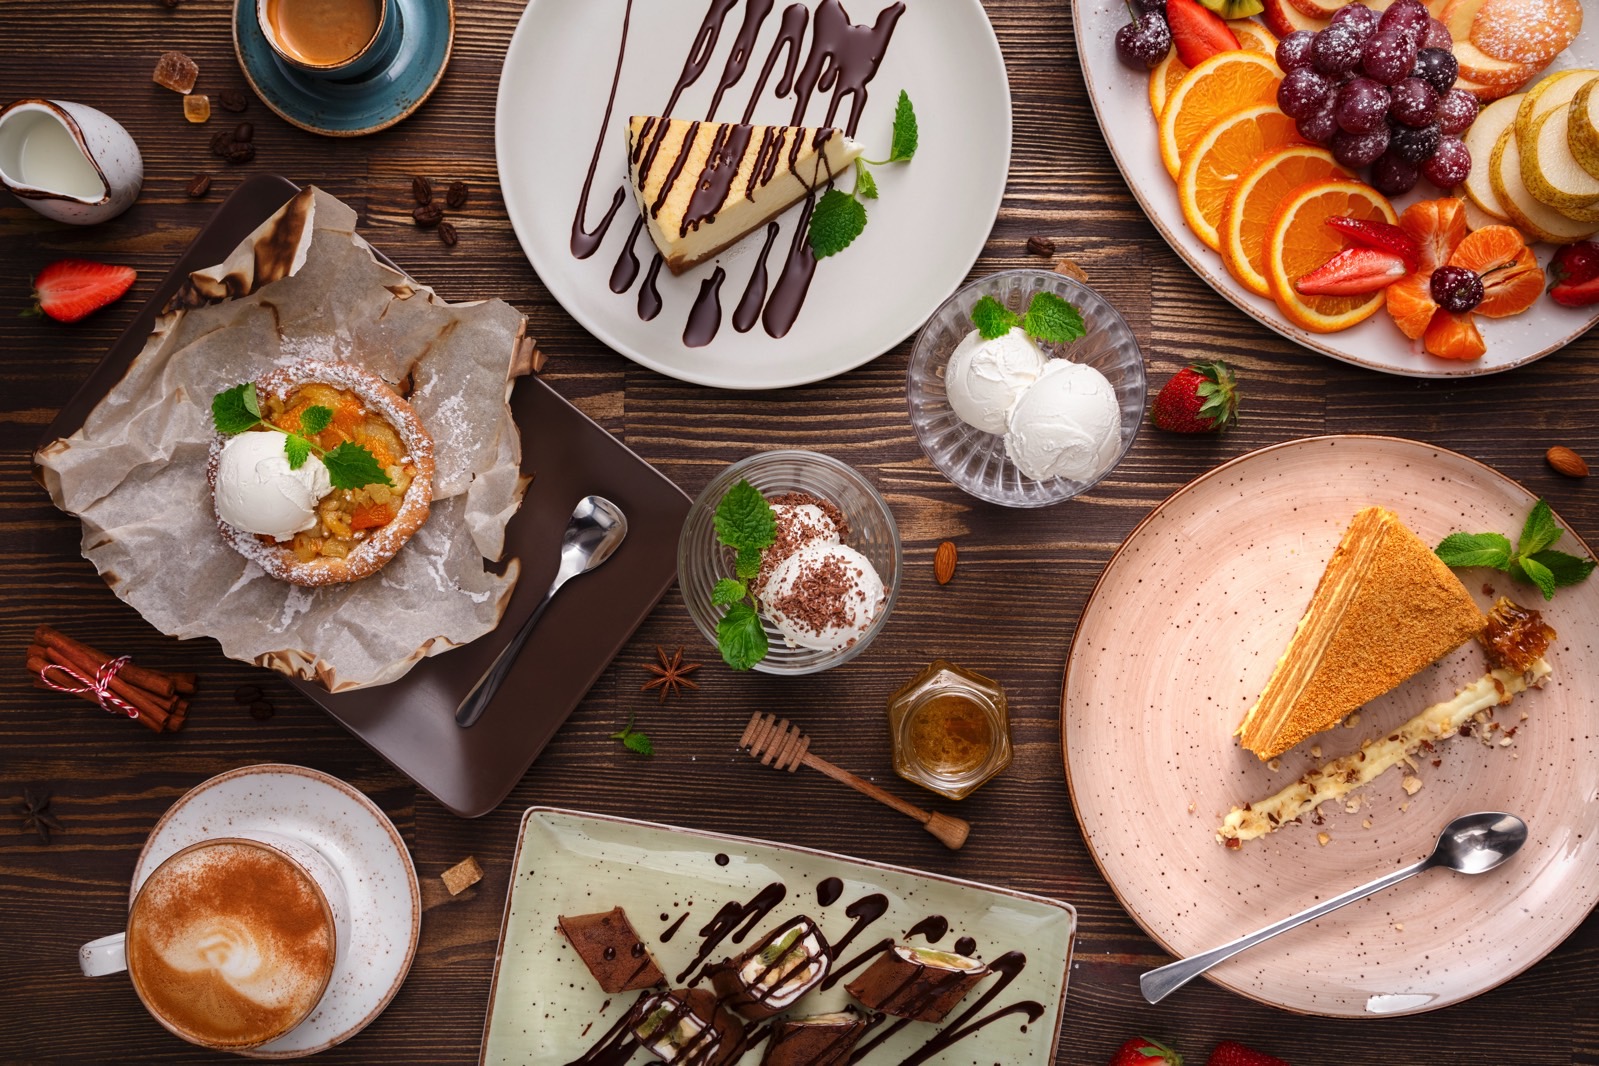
(1386, 607)
(703, 185)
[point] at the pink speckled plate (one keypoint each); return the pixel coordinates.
(1176, 643)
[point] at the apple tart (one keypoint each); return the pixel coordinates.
(319, 471)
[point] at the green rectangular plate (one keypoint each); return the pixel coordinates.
(544, 1006)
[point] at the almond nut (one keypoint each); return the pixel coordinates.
(1567, 462)
(944, 562)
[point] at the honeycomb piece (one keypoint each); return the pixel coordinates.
(175, 71)
(197, 108)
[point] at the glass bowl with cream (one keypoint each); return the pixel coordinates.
(1018, 421)
(827, 583)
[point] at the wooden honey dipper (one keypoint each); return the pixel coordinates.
(781, 745)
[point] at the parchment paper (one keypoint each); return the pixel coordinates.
(303, 285)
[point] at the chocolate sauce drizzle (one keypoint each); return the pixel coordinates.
(842, 60)
(933, 929)
(735, 920)
(828, 890)
(706, 317)
(672, 929)
(965, 946)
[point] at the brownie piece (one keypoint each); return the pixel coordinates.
(612, 951)
(917, 984)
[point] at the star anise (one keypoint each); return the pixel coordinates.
(35, 811)
(671, 673)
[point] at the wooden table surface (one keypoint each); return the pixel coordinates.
(1023, 579)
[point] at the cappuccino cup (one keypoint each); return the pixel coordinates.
(231, 942)
(341, 39)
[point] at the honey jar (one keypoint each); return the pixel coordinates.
(950, 729)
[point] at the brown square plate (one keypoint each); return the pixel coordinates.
(411, 722)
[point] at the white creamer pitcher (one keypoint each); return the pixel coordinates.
(68, 161)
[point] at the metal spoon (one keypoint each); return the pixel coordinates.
(1471, 844)
(596, 529)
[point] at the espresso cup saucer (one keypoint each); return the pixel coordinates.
(360, 842)
(351, 107)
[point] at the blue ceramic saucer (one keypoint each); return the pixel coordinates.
(351, 107)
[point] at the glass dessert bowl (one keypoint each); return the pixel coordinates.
(828, 582)
(1036, 427)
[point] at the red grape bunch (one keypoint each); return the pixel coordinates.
(1379, 92)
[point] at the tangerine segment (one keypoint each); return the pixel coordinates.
(1438, 226)
(1411, 304)
(1222, 85)
(1227, 149)
(1301, 241)
(1253, 201)
(1511, 278)
(1252, 36)
(1454, 336)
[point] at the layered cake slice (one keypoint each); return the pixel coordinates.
(703, 185)
(1386, 608)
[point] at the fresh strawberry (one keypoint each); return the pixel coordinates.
(1575, 274)
(69, 289)
(1200, 398)
(1369, 233)
(1353, 272)
(1231, 1053)
(1197, 32)
(1141, 1051)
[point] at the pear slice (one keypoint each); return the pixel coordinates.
(1554, 91)
(1528, 213)
(1477, 218)
(1582, 131)
(1492, 121)
(1551, 172)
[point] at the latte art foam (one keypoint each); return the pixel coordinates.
(230, 944)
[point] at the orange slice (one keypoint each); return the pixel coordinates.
(1253, 201)
(1224, 152)
(1511, 278)
(1169, 71)
(1220, 86)
(1301, 241)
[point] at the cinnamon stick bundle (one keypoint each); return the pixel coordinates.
(161, 699)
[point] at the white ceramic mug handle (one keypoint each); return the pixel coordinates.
(106, 955)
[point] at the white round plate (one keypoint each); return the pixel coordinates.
(1177, 642)
(360, 842)
(923, 233)
(1121, 102)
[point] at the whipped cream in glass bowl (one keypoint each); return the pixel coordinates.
(1017, 429)
(826, 585)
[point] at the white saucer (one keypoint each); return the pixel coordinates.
(358, 839)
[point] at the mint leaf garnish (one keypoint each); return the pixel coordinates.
(744, 519)
(1475, 549)
(740, 637)
(993, 319)
(634, 740)
(905, 134)
(1531, 561)
(1050, 318)
(351, 466)
(315, 419)
(748, 563)
(728, 591)
(235, 410)
(865, 184)
(835, 223)
(298, 450)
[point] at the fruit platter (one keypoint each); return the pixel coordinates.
(1408, 187)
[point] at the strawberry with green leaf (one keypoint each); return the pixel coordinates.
(1200, 398)
(1142, 1051)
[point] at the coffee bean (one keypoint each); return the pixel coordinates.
(220, 142)
(421, 190)
(244, 132)
(447, 234)
(240, 153)
(261, 710)
(234, 100)
(428, 215)
(456, 197)
(171, 3)
(1040, 246)
(198, 186)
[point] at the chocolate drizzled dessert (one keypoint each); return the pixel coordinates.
(688, 1027)
(819, 592)
(612, 951)
(820, 1040)
(916, 983)
(768, 978)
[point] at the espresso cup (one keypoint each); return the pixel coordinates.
(231, 942)
(342, 39)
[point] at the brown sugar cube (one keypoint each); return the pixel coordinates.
(197, 108)
(462, 876)
(917, 984)
(612, 951)
(175, 71)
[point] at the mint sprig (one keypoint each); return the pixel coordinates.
(840, 217)
(350, 466)
(745, 522)
(1532, 559)
(1048, 318)
(634, 740)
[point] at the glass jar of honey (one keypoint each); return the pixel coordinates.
(950, 728)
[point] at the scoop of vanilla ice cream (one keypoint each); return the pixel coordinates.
(985, 378)
(823, 596)
(258, 493)
(1066, 424)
